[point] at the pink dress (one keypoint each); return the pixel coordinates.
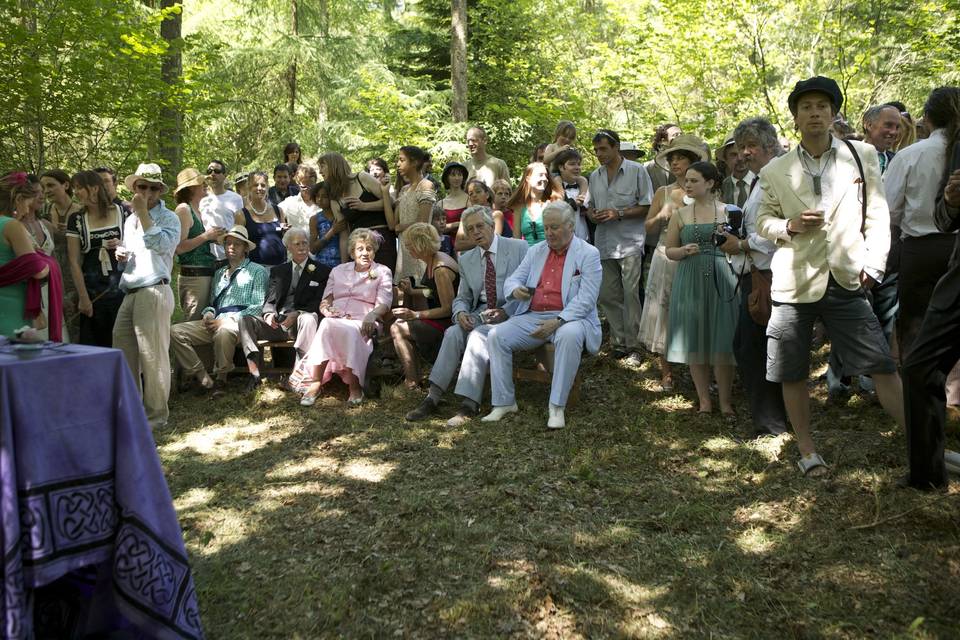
(338, 341)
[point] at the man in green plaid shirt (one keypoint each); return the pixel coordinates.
(239, 288)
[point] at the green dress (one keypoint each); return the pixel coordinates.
(13, 298)
(704, 303)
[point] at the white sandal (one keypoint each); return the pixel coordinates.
(811, 462)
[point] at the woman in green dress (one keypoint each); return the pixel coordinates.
(703, 303)
(15, 241)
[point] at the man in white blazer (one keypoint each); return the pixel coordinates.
(831, 250)
(480, 304)
(556, 287)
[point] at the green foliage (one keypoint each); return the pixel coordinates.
(355, 78)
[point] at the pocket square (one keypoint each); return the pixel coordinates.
(313, 283)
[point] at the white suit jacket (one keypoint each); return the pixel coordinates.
(579, 289)
(803, 263)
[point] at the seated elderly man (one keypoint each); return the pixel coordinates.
(290, 309)
(556, 287)
(479, 305)
(238, 290)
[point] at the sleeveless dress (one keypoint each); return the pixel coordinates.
(531, 230)
(101, 276)
(429, 349)
(408, 208)
(196, 272)
(46, 246)
(704, 303)
(377, 220)
(268, 236)
(453, 215)
(13, 298)
(655, 317)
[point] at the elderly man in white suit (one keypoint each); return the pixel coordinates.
(824, 207)
(480, 304)
(556, 287)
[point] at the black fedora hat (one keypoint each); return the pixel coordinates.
(819, 84)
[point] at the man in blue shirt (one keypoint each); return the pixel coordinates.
(142, 328)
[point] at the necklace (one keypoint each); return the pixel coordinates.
(703, 244)
(817, 178)
(260, 213)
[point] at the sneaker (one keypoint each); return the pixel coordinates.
(424, 410)
(633, 359)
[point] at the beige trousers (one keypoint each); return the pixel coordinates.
(620, 300)
(185, 335)
(194, 295)
(142, 332)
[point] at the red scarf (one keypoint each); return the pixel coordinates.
(25, 268)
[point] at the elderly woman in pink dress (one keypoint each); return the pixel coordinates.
(357, 296)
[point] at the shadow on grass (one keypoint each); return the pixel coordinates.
(639, 520)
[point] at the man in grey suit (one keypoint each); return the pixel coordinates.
(557, 286)
(480, 304)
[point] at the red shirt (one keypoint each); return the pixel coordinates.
(547, 297)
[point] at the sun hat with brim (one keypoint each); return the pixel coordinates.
(147, 172)
(240, 233)
(816, 84)
(189, 177)
(240, 178)
(683, 142)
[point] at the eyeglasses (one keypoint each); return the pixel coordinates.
(212, 170)
(148, 187)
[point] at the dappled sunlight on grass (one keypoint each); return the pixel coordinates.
(193, 498)
(364, 469)
(234, 439)
(755, 540)
(221, 528)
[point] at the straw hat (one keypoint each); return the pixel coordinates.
(147, 172)
(189, 177)
(240, 233)
(683, 142)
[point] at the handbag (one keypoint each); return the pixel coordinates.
(759, 302)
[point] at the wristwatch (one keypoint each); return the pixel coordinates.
(561, 321)
(619, 214)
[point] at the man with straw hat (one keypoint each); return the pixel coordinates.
(239, 288)
(142, 328)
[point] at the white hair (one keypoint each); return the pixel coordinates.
(561, 207)
(480, 210)
(293, 232)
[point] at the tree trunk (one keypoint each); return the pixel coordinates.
(170, 131)
(458, 58)
(292, 69)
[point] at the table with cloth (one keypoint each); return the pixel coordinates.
(91, 541)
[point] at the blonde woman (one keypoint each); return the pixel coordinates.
(424, 329)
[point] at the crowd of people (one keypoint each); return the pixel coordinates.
(732, 263)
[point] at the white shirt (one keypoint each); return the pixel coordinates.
(297, 212)
(761, 249)
(218, 211)
(912, 180)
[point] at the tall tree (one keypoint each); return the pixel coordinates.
(458, 58)
(170, 132)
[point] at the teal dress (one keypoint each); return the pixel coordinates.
(13, 299)
(704, 303)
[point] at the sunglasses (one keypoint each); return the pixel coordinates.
(148, 187)
(212, 170)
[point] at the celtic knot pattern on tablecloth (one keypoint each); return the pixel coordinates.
(87, 512)
(145, 568)
(14, 595)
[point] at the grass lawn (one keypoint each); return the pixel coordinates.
(639, 520)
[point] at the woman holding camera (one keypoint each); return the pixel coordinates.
(703, 303)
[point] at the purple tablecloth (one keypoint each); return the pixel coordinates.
(81, 486)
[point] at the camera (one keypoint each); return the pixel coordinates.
(733, 225)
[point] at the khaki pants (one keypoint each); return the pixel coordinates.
(194, 294)
(620, 300)
(185, 335)
(142, 332)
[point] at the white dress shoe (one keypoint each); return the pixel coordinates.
(556, 419)
(498, 412)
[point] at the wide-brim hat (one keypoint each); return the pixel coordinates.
(450, 166)
(683, 142)
(630, 148)
(148, 172)
(239, 232)
(189, 177)
(818, 84)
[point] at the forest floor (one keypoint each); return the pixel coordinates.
(639, 520)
